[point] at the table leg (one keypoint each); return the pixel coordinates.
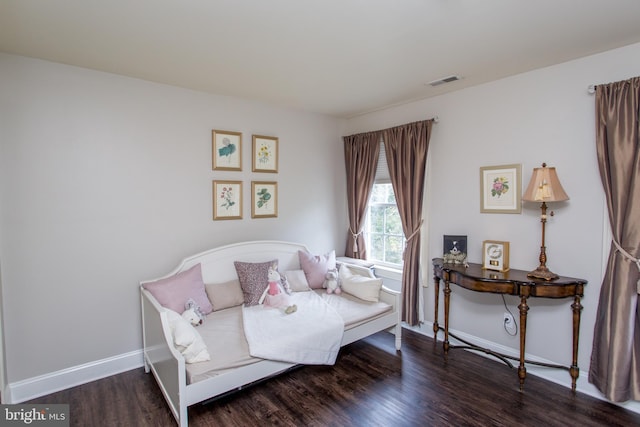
(524, 308)
(574, 370)
(436, 327)
(447, 294)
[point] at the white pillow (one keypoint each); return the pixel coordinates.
(297, 280)
(186, 339)
(363, 287)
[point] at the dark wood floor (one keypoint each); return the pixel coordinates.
(370, 385)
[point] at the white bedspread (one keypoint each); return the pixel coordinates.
(312, 335)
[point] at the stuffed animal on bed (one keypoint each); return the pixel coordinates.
(275, 294)
(192, 313)
(331, 282)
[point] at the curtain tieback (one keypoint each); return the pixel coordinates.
(630, 258)
(411, 236)
(355, 240)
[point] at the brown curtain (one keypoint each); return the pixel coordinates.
(615, 357)
(361, 159)
(406, 150)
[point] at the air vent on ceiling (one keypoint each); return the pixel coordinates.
(444, 80)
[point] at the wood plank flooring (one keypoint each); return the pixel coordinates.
(370, 385)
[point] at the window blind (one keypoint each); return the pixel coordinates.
(382, 170)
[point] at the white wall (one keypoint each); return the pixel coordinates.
(542, 116)
(106, 181)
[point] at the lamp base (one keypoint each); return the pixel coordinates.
(543, 273)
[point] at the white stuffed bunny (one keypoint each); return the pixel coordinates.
(192, 313)
(331, 282)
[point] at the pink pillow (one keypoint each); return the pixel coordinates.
(315, 267)
(173, 292)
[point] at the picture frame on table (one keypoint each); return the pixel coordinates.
(264, 199)
(227, 200)
(264, 156)
(501, 189)
(226, 150)
(454, 249)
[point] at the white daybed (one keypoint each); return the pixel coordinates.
(168, 365)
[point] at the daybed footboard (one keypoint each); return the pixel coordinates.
(161, 358)
(168, 365)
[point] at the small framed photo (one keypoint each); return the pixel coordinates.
(454, 249)
(264, 199)
(495, 255)
(227, 200)
(226, 148)
(265, 154)
(500, 189)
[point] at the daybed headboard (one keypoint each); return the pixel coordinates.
(217, 263)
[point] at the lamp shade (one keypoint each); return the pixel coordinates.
(544, 186)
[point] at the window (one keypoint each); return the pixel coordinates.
(383, 227)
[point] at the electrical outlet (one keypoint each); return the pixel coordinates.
(509, 323)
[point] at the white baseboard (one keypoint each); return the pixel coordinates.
(558, 376)
(22, 391)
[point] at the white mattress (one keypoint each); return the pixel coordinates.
(223, 333)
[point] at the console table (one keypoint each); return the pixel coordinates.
(511, 282)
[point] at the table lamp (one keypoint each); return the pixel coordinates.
(544, 187)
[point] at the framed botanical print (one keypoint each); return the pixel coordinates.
(227, 200)
(500, 189)
(264, 199)
(226, 148)
(264, 154)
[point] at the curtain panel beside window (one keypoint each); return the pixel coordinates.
(406, 149)
(615, 357)
(361, 153)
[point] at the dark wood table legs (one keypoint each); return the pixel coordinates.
(522, 369)
(447, 297)
(436, 327)
(510, 282)
(574, 370)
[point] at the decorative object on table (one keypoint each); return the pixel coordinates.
(500, 189)
(454, 249)
(544, 187)
(264, 154)
(227, 200)
(226, 148)
(495, 255)
(264, 199)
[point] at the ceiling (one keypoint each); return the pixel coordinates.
(336, 57)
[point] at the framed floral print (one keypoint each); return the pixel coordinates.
(500, 189)
(264, 199)
(226, 150)
(265, 154)
(227, 200)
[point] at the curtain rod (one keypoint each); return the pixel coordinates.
(435, 119)
(592, 88)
